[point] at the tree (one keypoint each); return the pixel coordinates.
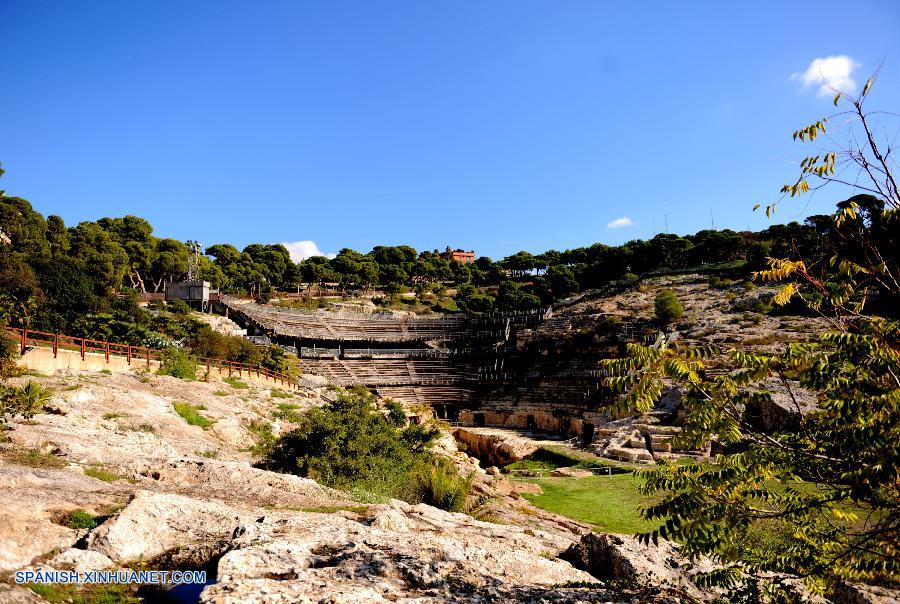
(562, 281)
(668, 307)
(57, 236)
(104, 260)
(170, 262)
(821, 500)
(135, 235)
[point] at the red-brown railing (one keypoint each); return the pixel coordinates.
(29, 337)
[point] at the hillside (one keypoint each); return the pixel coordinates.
(110, 452)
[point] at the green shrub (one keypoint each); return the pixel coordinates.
(264, 439)
(395, 412)
(349, 444)
(440, 485)
(21, 401)
(191, 415)
(668, 308)
(179, 308)
(9, 354)
(177, 363)
(80, 519)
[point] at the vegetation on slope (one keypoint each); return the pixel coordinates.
(350, 444)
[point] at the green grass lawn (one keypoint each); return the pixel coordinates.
(610, 503)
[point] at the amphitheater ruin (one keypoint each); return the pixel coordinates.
(532, 371)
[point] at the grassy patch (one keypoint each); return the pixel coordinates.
(277, 393)
(101, 473)
(221, 393)
(33, 458)
(112, 415)
(72, 387)
(610, 503)
(80, 519)
(209, 454)
(86, 594)
(106, 371)
(235, 383)
(191, 414)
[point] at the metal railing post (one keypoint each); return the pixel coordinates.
(55, 344)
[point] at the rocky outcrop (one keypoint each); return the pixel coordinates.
(609, 556)
(154, 523)
(398, 552)
(494, 447)
(32, 502)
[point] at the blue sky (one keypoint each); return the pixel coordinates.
(497, 126)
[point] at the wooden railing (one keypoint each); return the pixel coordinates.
(140, 354)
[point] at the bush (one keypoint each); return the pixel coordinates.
(264, 439)
(395, 412)
(22, 401)
(441, 485)
(177, 363)
(179, 308)
(9, 354)
(80, 519)
(668, 307)
(350, 445)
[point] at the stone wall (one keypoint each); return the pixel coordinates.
(41, 360)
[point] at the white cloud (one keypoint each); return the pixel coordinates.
(829, 73)
(301, 250)
(618, 223)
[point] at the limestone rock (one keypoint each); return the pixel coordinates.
(80, 560)
(442, 556)
(11, 594)
(610, 556)
(153, 523)
(31, 502)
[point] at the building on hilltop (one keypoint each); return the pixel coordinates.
(458, 255)
(195, 293)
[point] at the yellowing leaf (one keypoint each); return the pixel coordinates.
(868, 85)
(784, 296)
